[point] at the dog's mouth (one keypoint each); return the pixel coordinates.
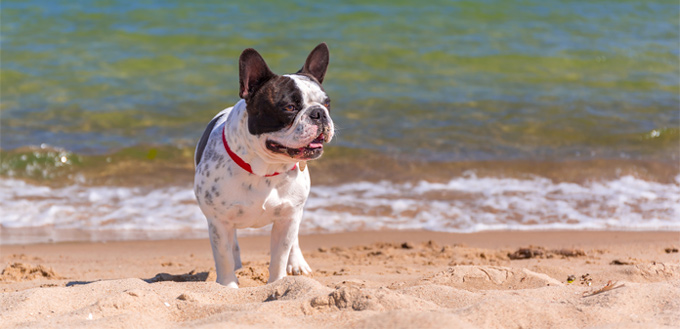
(311, 151)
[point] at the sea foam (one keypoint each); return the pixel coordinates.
(464, 204)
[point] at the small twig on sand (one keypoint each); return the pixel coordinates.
(607, 287)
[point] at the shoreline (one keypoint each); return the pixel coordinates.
(132, 236)
(482, 239)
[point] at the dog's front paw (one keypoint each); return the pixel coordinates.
(297, 265)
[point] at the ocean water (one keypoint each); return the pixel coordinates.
(451, 115)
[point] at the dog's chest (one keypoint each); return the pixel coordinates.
(227, 193)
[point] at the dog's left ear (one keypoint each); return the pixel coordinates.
(317, 62)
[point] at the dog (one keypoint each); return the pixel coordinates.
(251, 162)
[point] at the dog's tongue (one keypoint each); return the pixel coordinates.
(317, 143)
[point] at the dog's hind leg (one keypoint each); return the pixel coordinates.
(237, 253)
(222, 241)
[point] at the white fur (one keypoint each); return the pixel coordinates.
(303, 132)
(311, 92)
(232, 198)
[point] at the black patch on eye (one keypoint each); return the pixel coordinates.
(266, 108)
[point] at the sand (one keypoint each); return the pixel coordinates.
(403, 279)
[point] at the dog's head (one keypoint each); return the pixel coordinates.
(289, 115)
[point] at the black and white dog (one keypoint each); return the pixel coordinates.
(251, 161)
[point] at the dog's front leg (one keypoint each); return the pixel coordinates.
(296, 262)
(284, 234)
(223, 243)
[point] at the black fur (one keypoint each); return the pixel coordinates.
(204, 139)
(273, 101)
(317, 63)
(253, 73)
(266, 107)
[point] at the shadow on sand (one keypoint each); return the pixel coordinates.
(192, 276)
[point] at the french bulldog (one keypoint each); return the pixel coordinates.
(251, 162)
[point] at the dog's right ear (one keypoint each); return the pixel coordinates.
(253, 72)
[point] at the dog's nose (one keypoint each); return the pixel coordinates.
(317, 114)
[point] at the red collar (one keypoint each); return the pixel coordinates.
(240, 161)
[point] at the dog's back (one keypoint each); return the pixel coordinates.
(215, 122)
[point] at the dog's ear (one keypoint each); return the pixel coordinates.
(317, 62)
(253, 72)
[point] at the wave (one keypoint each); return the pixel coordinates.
(465, 204)
(471, 204)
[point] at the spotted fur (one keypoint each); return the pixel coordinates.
(232, 198)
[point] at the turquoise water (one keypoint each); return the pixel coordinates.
(446, 81)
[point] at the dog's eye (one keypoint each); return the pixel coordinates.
(289, 108)
(327, 103)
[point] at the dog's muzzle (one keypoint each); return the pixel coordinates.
(311, 151)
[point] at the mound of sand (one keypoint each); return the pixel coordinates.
(490, 277)
(304, 302)
(23, 272)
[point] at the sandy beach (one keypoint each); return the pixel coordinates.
(386, 279)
